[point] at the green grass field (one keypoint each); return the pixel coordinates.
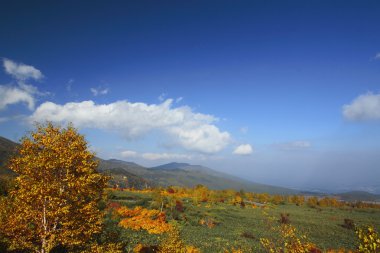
(243, 227)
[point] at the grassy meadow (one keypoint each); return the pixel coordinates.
(216, 227)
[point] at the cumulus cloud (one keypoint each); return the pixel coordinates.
(293, 145)
(364, 107)
(187, 129)
(165, 156)
(244, 149)
(23, 92)
(129, 154)
(21, 71)
(14, 95)
(99, 91)
(155, 156)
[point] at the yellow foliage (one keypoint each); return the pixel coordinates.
(173, 244)
(287, 241)
(57, 191)
(339, 251)
(107, 248)
(233, 250)
(192, 249)
(209, 222)
(369, 240)
(138, 248)
(138, 218)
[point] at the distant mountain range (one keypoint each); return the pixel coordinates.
(358, 196)
(129, 174)
(184, 174)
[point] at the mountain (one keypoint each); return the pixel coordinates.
(124, 174)
(188, 175)
(170, 166)
(182, 174)
(115, 168)
(7, 148)
(131, 174)
(359, 196)
(131, 167)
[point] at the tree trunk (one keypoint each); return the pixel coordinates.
(44, 225)
(43, 246)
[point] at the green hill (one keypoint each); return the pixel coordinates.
(359, 196)
(7, 148)
(129, 174)
(188, 175)
(124, 174)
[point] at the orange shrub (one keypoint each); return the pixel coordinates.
(152, 221)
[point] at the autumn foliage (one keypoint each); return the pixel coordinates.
(139, 218)
(369, 240)
(288, 241)
(54, 202)
(174, 244)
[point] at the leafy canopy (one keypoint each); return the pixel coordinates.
(54, 202)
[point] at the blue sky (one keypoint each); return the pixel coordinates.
(278, 92)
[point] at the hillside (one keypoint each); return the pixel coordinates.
(188, 175)
(182, 174)
(7, 148)
(359, 196)
(124, 174)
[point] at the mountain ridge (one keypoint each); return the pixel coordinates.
(130, 174)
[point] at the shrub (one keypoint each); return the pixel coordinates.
(174, 244)
(349, 224)
(248, 235)
(179, 206)
(208, 222)
(284, 218)
(369, 240)
(288, 241)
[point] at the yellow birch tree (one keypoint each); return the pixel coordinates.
(57, 190)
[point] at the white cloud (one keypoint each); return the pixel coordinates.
(164, 156)
(377, 56)
(185, 128)
(99, 91)
(244, 149)
(14, 95)
(21, 71)
(364, 107)
(129, 154)
(179, 99)
(157, 156)
(293, 145)
(23, 92)
(31, 89)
